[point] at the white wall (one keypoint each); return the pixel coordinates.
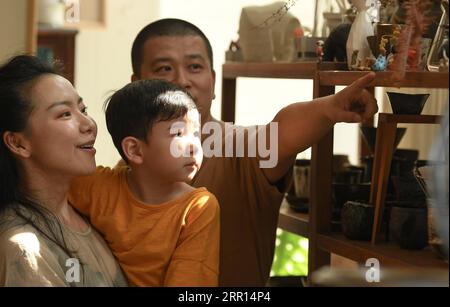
(103, 62)
(13, 18)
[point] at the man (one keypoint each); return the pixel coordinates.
(249, 196)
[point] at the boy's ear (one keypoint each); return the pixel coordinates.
(133, 150)
(17, 144)
(134, 78)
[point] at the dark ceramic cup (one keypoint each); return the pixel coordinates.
(357, 220)
(343, 192)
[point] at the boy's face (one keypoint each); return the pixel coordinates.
(182, 60)
(173, 149)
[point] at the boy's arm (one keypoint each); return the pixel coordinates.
(301, 125)
(83, 190)
(195, 261)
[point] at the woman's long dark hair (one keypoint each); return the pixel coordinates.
(15, 109)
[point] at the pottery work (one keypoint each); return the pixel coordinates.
(343, 192)
(407, 188)
(298, 193)
(406, 159)
(350, 175)
(51, 13)
(370, 136)
(357, 220)
(302, 179)
(408, 227)
(411, 104)
(373, 44)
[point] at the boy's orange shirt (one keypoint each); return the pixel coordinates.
(171, 244)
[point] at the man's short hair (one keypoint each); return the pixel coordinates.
(132, 110)
(165, 27)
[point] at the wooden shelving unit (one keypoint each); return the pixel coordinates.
(388, 254)
(59, 45)
(322, 240)
(317, 224)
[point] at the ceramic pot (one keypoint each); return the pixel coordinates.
(357, 220)
(407, 103)
(408, 227)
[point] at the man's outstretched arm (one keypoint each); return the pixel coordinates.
(300, 125)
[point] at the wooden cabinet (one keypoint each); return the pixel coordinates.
(59, 45)
(317, 224)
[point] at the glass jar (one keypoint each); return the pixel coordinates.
(438, 56)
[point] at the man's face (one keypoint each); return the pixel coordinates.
(182, 60)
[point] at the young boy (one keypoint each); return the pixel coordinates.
(163, 231)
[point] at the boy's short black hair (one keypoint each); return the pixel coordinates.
(132, 110)
(165, 27)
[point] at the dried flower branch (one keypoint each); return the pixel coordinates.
(278, 15)
(408, 47)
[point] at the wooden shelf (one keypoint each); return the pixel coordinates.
(58, 44)
(292, 221)
(422, 79)
(321, 242)
(409, 119)
(288, 70)
(387, 253)
(316, 224)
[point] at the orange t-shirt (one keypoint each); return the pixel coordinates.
(171, 244)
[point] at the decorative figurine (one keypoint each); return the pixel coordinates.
(380, 64)
(319, 50)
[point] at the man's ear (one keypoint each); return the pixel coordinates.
(134, 78)
(132, 149)
(17, 144)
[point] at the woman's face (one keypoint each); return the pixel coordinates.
(59, 133)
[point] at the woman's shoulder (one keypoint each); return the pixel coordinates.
(16, 236)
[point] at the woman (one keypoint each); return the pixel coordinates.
(46, 139)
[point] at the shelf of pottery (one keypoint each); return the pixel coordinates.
(389, 199)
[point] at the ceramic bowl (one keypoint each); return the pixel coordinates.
(411, 104)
